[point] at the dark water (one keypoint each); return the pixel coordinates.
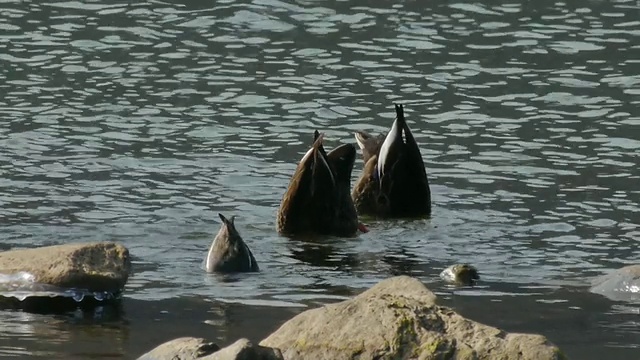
(139, 122)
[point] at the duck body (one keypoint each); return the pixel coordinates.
(228, 252)
(318, 200)
(394, 181)
(460, 274)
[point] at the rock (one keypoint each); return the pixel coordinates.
(621, 284)
(243, 349)
(188, 348)
(398, 319)
(102, 266)
(460, 274)
(181, 349)
(71, 272)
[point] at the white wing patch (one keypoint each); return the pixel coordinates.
(389, 141)
(208, 264)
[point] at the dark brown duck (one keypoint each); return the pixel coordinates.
(228, 252)
(318, 199)
(394, 180)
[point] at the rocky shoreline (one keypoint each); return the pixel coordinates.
(398, 318)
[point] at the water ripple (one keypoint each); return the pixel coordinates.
(139, 122)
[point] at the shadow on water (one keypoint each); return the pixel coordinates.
(116, 333)
(402, 262)
(58, 304)
(322, 251)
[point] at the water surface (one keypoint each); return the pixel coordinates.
(139, 122)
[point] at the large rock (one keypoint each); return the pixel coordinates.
(61, 277)
(398, 319)
(102, 266)
(188, 348)
(620, 284)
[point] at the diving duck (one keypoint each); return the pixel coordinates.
(228, 252)
(318, 199)
(460, 274)
(394, 181)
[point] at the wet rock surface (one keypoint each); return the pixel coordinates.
(399, 319)
(188, 348)
(102, 266)
(63, 275)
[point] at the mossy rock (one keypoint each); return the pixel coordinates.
(399, 319)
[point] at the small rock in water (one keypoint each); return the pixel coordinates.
(460, 274)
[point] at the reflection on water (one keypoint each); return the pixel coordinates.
(139, 122)
(41, 335)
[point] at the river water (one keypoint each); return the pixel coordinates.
(139, 121)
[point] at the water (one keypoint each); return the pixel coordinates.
(139, 122)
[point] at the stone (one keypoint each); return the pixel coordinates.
(399, 319)
(95, 267)
(183, 348)
(188, 348)
(243, 349)
(621, 285)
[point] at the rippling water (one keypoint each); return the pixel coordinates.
(138, 122)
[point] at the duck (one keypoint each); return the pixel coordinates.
(461, 274)
(228, 252)
(318, 198)
(394, 182)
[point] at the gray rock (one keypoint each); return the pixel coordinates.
(243, 349)
(621, 284)
(102, 266)
(188, 348)
(398, 319)
(181, 349)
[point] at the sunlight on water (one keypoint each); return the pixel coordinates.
(139, 122)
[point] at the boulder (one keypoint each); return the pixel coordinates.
(188, 348)
(622, 284)
(398, 319)
(71, 272)
(102, 266)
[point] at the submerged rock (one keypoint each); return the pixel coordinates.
(188, 348)
(398, 319)
(62, 274)
(460, 274)
(621, 284)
